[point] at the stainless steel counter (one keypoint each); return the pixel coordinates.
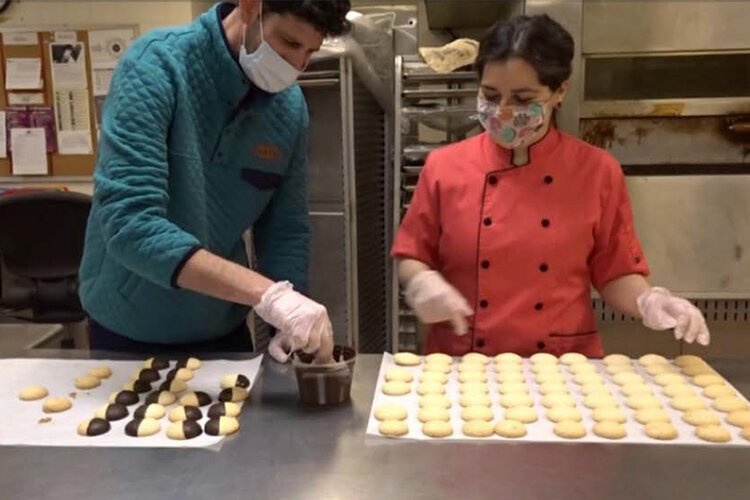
(285, 451)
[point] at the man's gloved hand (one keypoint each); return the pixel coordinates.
(661, 311)
(434, 300)
(302, 324)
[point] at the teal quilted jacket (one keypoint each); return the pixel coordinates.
(190, 156)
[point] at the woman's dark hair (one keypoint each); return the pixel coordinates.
(539, 40)
(327, 16)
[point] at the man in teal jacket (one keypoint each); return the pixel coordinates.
(204, 136)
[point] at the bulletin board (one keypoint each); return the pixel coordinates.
(64, 103)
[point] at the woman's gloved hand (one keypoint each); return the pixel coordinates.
(661, 310)
(434, 300)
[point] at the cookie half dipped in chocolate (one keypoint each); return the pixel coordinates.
(150, 410)
(235, 380)
(139, 386)
(93, 427)
(156, 363)
(174, 386)
(182, 413)
(189, 363)
(147, 375)
(127, 398)
(112, 412)
(233, 395)
(197, 398)
(142, 427)
(222, 426)
(183, 374)
(224, 410)
(164, 398)
(186, 429)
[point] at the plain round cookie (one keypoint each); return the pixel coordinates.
(523, 414)
(739, 418)
(469, 387)
(553, 400)
(572, 358)
(100, 372)
(615, 359)
(726, 404)
(477, 413)
(641, 401)
(688, 359)
(509, 358)
(505, 377)
(660, 368)
(474, 399)
(609, 414)
(438, 357)
(664, 379)
(588, 378)
(407, 359)
(697, 369)
(564, 413)
(553, 388)
(623, 378)
(434, 377)
(438, 400)
(675, 390)
(471, 367)
(399, 375)
(652, 359)
(717, 391)
(610, 430)
(685, 403)
(393, 428)
(512, 429)
(87, 382)
(583, 368)
(433, 413)
(430, 388)
(595, 387)
(713, 433)
(396, 388)
(707, 379)
(56, 405)
(543, 357)
(648, 415)
(184, 429)
(33, 393)
(391, 411)
(437, 368)
(513, 387)
(701, 417)
(569, 429)
(543, 367)
(472, 377)
(475, 357)
(478, 429)
(745, 433)
(516, 399)
(663, 431)
(634, 388)
(437, 429)
(615, 368)
(546, 377)
(595, 401)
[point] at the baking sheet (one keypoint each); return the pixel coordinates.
(542, 429)
(20, 420)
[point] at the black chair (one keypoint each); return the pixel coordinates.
(41, 243)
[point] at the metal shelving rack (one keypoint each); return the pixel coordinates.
(431, 110)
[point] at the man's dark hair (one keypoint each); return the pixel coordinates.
(327, 16)
(539, 40)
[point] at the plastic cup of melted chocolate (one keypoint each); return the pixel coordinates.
(325, 384)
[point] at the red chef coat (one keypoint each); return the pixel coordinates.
(523, 244)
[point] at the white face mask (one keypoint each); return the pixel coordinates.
(266, 68)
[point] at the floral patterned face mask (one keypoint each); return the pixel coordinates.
(510, 126)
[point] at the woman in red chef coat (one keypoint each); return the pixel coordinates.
(508, 230)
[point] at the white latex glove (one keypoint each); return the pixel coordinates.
(434, 300)
(661, 311)
(301, 323)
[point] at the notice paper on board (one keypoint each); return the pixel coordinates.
(3, 137)
(107, 46)
(68, 65)
(73, 122)
(23, 73)
(29, 151)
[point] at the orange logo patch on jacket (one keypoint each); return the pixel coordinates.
(267, 152)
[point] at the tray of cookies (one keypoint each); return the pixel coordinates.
(153, 403)
(649, 400)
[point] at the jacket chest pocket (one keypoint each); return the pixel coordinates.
(261, 180)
